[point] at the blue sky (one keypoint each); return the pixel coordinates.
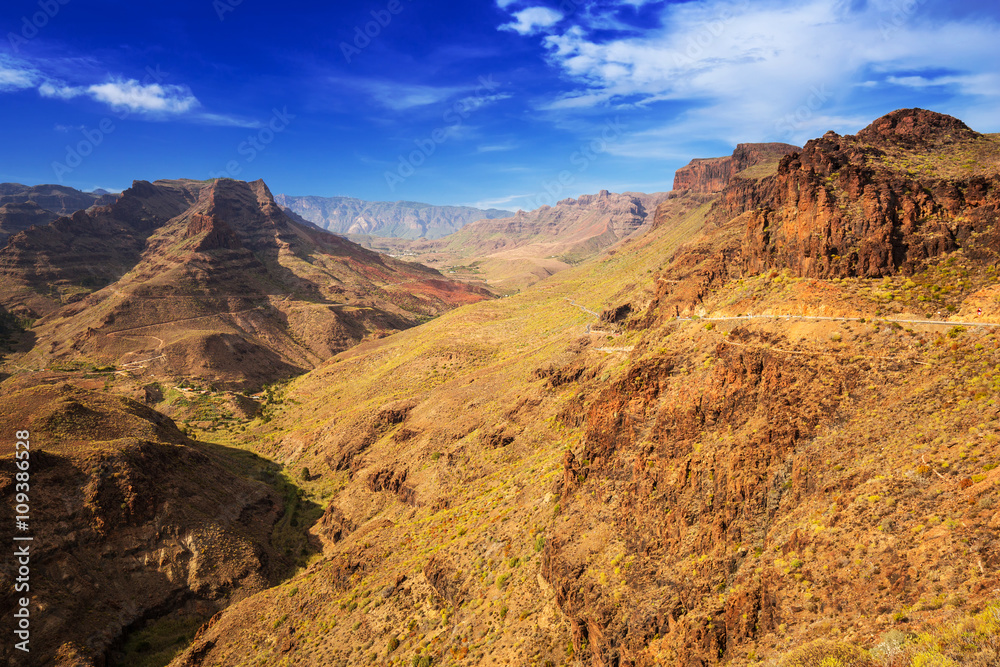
(506, 103)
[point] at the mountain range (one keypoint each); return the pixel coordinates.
(22, 206)
(751, 421)
(209, 280)
(402, 219)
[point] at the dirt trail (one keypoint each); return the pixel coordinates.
(947, 323)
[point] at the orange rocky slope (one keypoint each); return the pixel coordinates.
(506, 488)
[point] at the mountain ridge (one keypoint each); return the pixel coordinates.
(401, 219)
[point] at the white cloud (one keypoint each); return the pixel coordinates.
(528, 21)
(151, 98)
(779, 70)
(60, 90)
(154, 101)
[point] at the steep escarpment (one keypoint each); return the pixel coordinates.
(712, 175)
(133, 523)
(235, 292)
(912, 186)
(46, 266)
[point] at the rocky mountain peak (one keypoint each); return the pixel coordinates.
(916, 128)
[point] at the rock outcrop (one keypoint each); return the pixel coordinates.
(712, 175)
(903, 191)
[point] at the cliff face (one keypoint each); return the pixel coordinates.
(712, 175)
(42, 266)
(408, 220)
(909, 187)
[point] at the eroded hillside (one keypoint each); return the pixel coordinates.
(210, 281)
(134, 526)
(520, 482)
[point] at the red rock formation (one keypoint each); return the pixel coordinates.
(710, 175)
(845, 206)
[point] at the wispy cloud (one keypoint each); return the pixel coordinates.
(734, 70)
(496, 148)
(16, 75)
(499, 202)
(152, 100)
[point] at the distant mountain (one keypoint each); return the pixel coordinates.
(402, 219)
(16, 217)
(512, 253)
(56, 198)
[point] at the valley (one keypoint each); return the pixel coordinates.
(750, 421)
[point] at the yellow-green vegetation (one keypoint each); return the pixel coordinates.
(972, 640)
(976, 157)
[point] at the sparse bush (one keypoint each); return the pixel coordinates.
(825, 653)
(393, 644)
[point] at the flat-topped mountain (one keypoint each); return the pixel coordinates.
(711, 175)
(401, 219)
(210, 280)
